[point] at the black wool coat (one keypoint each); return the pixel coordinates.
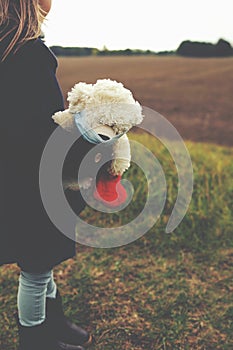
(29, 95)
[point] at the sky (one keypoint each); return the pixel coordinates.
(138, 24)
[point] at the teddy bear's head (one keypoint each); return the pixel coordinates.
(106, 102)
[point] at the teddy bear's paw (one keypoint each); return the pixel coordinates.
(65, 119)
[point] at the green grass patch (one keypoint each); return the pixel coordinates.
(163, 291)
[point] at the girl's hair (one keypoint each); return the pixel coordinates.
(22, 18)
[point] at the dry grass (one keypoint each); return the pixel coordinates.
(161, 292)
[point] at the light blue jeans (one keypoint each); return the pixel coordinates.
(33, 290)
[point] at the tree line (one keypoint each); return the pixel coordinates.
(187, 48)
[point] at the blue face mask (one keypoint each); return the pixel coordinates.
(89, 134)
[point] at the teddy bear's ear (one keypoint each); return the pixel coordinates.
(79, 96)
(65, 119)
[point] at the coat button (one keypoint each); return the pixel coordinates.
(98, 157)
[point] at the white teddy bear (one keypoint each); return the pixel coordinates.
(104, 108)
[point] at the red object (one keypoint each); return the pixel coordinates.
(110, 191)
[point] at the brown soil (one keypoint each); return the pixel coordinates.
(195, 95)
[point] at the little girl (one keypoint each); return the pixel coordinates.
(29, 96)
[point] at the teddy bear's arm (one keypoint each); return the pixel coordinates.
(65, 119)
(122, 156)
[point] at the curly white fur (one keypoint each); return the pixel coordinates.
(64, 119)
(106, 103)
(122, 156)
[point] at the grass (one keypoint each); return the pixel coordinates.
(163, 291)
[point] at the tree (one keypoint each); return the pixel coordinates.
(223, 48)
(201, 49)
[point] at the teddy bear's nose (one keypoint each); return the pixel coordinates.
(104, 137)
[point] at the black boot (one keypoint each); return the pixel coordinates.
(63, 329)
(40, 338)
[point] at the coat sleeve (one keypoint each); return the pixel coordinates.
(43, 97)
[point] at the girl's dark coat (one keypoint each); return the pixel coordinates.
(29, 95)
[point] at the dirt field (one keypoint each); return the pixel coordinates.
(195, 95)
